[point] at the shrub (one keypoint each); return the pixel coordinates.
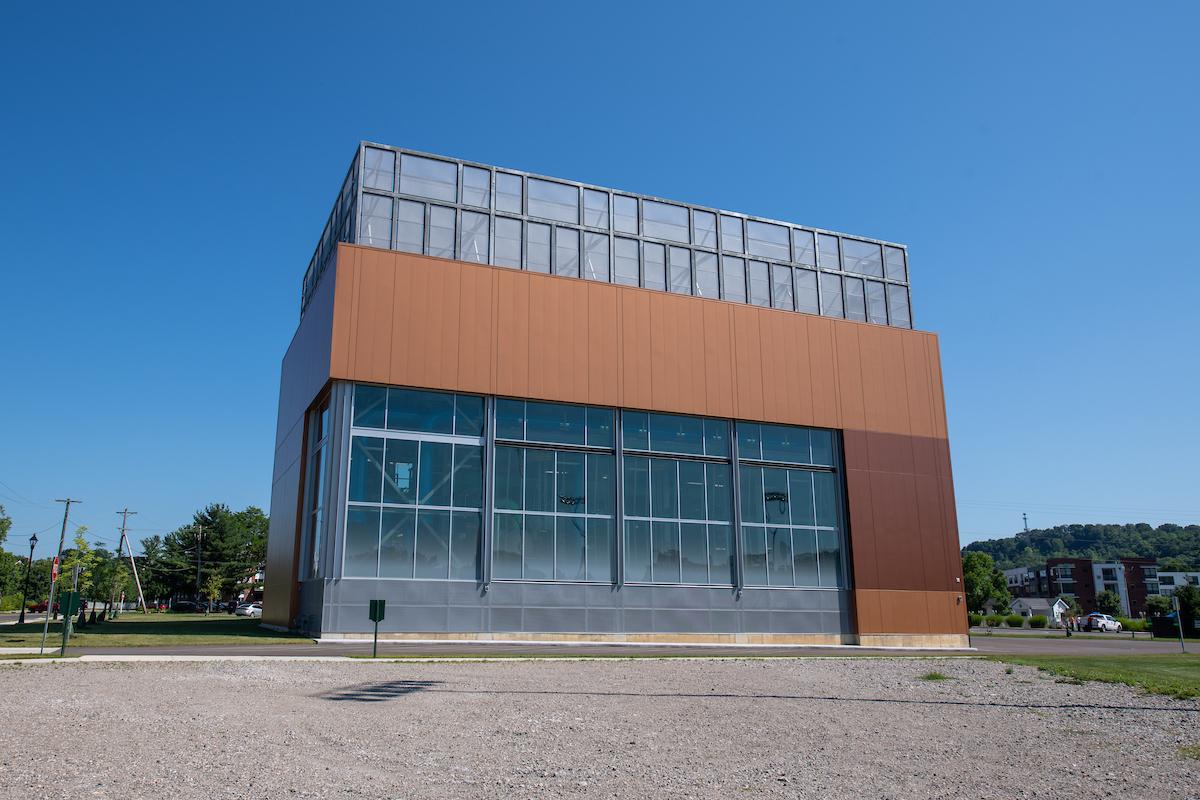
(935, 676)
(1015, 621)
(10, 602)
(1132, 624)
(993, 620)
(1038, 621)
(975, 620)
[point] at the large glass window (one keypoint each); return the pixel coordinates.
(674, 433)
(556, 201)
(427, 177)
(806, 291)
(805, 247)
(441, 231)
(537, 247)
(828, 252)
(863, 258)
(410, 227)
(379, 169)
(831, 295)
(595, 208)
(767, 240)
(894, 266)
(781, 287)
(508, 193)
(664, 221)
(417, 410)
(708, 282)
(733, 279)
(876, 304)
(315, 520)
(508, 242)
(477, 187)
(554, 423)
(473, 238)
(566, 252)
(681, 270)
(704, 228)
(731, 234)
(760, 284)
(856, 306)
(625, 214)
(898, 305)
(376, 221)
(655, 262)
(595, 256)
(625, 261)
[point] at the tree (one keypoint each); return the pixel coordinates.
(5, 525)
(1108, 602)
(228, 544)
(983, 582)
(82, 556)
(1158, 605)
(212, 588)
(1189, 607)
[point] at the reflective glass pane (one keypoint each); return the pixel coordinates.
(508, 242)
(720, 554)
(664, 488)
(779, 557)
(362, 543)
(570, 491)
(800, 487)
(468, 476)
(664, 221)
(856, 305)
(426, 177)
(655, 256)
(433, 544)
(829, 558)
(601, 485)
(506, 547)
(468, 415)
(376, 221)
(825, 491)
(876, 305)
(464, 545)
(537, 247)
(749, 440)
(433, 474)
(510, 419)
(822, 447)
(704, 229)
(760, 284)
(716, 437)
(366, 469)
(637, 551)
(775, 495)
(599, 550)
(566, 252)
(898, 306)
(570, 549)
(804, 547)
(894, 264)
(863, 258)
(410, 226)
(635, 427)
(692, 490)
(599, 426)
(595, 208)
(379, 169)
(785, 443)
(675, 433)
(733, 279)
(731, 235)
(754, 555)
(370, 404)
(665, 551)
(508, 193)
(681, 270)
(781, 287)
(625, 214)
(806, 291)
(553, 201)
(693, 550)
(473, 238)
(539, 480)
(708, 282)
(828, 252)
(595, 256)
(539, 547)
(804, 247)
(441, 232)
(400, 472)
(477, 187)
(720, 494)
(396, 543)
(417, 410)
(767, 240)
(637, 486)
(626, 262)
(509, 478)
(831, 295)
(555, 422)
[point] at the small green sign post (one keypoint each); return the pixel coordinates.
(376, 615)
(68, 604)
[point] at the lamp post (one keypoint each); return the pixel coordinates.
(25, 592)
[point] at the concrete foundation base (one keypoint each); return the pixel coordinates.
(939, 641)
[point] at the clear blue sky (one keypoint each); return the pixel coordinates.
(166, 170)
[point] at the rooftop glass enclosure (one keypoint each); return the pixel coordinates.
(419, 203)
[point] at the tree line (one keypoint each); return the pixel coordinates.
(1175, 547)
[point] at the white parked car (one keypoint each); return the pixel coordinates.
(249, 610)
(1101, 622)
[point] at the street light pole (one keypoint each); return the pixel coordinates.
(25, 591)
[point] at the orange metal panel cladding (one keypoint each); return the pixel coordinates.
(414, 320)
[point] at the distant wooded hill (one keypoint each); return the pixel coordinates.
(1177, 547)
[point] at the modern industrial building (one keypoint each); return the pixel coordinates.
(526, 408)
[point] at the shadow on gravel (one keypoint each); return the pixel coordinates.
(377, 692)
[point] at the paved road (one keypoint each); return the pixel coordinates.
(985, 645)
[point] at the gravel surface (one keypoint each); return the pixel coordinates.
(829, 728)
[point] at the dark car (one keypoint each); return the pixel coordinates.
(187, 607)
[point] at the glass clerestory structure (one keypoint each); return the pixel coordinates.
(419, 203)
(457, 487)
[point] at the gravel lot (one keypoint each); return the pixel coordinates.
(830, 728)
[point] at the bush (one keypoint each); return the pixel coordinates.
(1038, 621)
(975, 620)
(10, 602)
(1015, 621)
(1133, 624)
(993, 620)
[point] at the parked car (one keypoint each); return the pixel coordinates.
(252, 610)
(1101, 622)
(187, 607)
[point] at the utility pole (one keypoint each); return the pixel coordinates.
(1025, 519)
(199, 552)
(120, 551)
(62, 538)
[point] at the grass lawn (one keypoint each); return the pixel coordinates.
(1176, 674)
(133, 629)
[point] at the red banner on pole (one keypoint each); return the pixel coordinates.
(54, 570)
